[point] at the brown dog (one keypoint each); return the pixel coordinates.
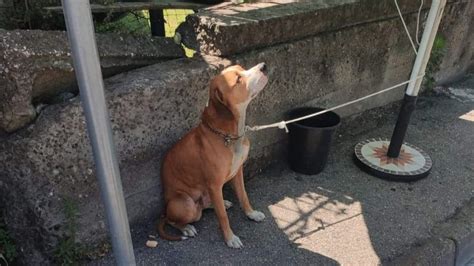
(195, 170)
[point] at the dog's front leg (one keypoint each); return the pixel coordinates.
(239, 188)
(217, 198)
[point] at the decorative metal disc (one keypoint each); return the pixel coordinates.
(412, 163)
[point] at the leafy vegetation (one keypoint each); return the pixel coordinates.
(437, 54)
(136, 23)
(7, 246)
(68, 252)
(30, 14)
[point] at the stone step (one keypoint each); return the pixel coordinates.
(222, 30)
(36, 66)
(51, 162)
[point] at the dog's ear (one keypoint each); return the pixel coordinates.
(216, 91)
(219, 96)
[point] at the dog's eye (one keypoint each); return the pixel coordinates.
(239, 79)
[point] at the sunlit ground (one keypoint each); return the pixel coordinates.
(468, 116)
(326, 226)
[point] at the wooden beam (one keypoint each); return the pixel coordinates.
(157, 23)
(134, 6)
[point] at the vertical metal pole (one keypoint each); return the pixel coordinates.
(80, 30)
(424, 51)
(421, 61)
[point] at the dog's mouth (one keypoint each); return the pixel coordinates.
(258, 85)
(257, 79)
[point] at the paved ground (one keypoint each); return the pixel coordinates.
(344, 216)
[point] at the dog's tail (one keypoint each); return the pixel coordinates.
(161, 231)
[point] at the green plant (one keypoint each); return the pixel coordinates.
(31, 14)
(437, 54)
(135, 23)
(7, 247)
(68, 251)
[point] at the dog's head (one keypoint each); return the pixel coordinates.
(235, 87)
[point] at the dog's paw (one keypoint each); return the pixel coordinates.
(256, 216)
(227, 204)
(189, 231)
(234, 242)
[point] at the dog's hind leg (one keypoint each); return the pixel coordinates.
(181, 211)
(188, 230)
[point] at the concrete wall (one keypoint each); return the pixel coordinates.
(5, 10)
(36, 67)
(457, 28)
(152, 107)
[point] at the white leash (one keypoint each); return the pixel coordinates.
(282, 124)
(406, 28)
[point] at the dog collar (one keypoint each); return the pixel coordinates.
(228, 138)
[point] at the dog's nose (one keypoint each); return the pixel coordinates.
(263, 68)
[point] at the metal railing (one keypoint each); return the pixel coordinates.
(80, 30)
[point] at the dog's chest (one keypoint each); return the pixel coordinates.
(239, 155)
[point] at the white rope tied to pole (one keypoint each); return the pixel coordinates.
(418, 23)
(282, 124)
(405, 26)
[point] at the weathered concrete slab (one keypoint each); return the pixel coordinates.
(460, 230)
(35, 66)
(452, 242)
(223, 30)
(330, 69)
(51, 161)
(457, 28)
(436, 252)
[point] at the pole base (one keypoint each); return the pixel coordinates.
(412, 164)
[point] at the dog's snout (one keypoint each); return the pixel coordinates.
(263, 68)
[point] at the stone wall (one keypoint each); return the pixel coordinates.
(5, 9)
(36, 68)
(457, 28)
(152, 107)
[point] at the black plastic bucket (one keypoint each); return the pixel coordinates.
(310, 140)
